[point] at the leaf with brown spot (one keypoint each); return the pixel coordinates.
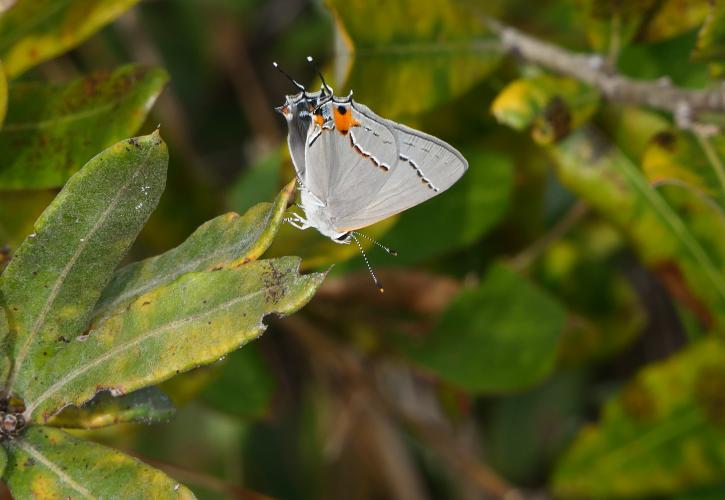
(56, 276)
(34, 31)
(551, 106)
(226, 241)
(663, 434)
(189, 322)
(52, 130)
(49, 463)
(678, 158)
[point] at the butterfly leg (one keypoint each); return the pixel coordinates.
(297, 222)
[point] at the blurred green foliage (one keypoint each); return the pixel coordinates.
(553, 324)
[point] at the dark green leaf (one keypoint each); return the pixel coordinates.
(194, 320)
(36, 30)
(52, 130)
(243, 386)
(49, 463)
(226, 241)
(662, 434)
(149, 405)
(499, 337)
(58, 273)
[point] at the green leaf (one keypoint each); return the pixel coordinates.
(479, 200)
(149, 405)
(244, 385)
(677, 158)
(194, 320)
(597, 171)
(499, 337)
(3, 460)
(552, 106)
(3, 95)
(34, 31)
(663, 433)
(258, 183)
(58, 273)
(226, 241)
(52, 130)
(49, 463)
(403, 67)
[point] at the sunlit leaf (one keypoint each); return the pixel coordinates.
(52, 130)
(551, 106)
(674, 17)
(58, 273)
(662, 434)
(57, 26)
(226, 241)
(499, 337)
(149, 405)
(243, 386)
(479, 200)
(194, 320)
(677, 158)
(598, 172)
(48, 463)
(403, 65)
(711, 38)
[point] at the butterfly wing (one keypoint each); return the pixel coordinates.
(426, 166)
(348, 159)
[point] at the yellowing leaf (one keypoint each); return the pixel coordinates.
(685, 242)
(553, 106)
(677, 158)
(711, 38)
(662, 434)
(58, 273)
(192, 321)
(226, 241)
(402, 65)
(49, 463)
(36, 30)
(52, 130)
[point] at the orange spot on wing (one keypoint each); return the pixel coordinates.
(344, 120)
(319, 120)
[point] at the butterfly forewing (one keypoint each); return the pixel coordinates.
(349, 159)
(425, 167)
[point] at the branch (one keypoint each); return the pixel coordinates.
(592, 69)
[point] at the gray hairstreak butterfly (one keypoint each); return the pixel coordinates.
(355, 168)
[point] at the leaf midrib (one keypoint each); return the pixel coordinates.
(37, 455)
(60, 120)
(153, 283)
(135, 341)
(85, 241)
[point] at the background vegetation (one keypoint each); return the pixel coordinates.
(552, 326)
